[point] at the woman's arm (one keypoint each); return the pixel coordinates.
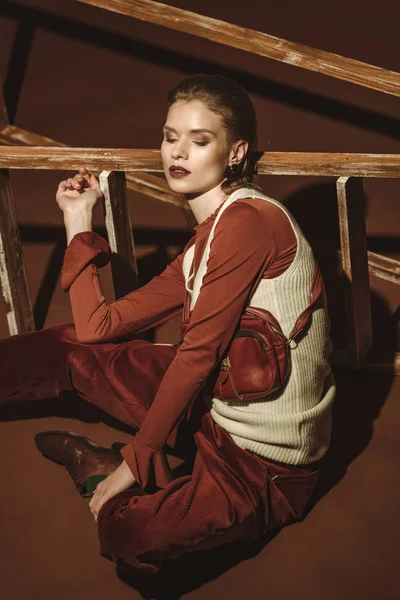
(95, 320)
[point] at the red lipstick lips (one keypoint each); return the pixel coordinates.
(178, 172)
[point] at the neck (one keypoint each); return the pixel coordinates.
(204, 205)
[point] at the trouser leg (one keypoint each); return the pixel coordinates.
(33, 365)
(231, 495)
(120, 378)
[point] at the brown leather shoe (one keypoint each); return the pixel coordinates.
(80, 456)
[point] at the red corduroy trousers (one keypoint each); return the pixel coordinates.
(231, 494)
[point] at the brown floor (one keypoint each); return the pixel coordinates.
(87, 86)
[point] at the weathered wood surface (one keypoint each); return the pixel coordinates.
(272, 163)
(119, 230)
(16, 136)
(109, 159)
(139, 181)
(256, 42)
(384, 267)
(351, 210)
(12, 273)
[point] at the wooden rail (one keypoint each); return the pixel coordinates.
(272, 163)
(384, 267)
(256, 42)
(139, 181)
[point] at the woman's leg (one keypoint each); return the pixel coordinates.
(231, 495)
(120, 378)
(33, 366)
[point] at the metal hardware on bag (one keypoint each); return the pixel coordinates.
(292, 343)
(225, 364)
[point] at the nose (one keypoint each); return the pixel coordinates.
(179, 150)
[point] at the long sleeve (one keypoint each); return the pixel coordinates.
(242, 242)
(95, 320)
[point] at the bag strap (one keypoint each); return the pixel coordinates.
(316, 290)
(317, 287)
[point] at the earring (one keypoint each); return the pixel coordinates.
(233, 170)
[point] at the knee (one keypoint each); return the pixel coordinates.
(121, 523)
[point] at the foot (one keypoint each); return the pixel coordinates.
(81, 457)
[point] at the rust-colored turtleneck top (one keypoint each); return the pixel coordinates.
(250, 234)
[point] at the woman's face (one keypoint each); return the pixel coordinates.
(194, 150)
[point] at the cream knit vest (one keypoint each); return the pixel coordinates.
(293, 425)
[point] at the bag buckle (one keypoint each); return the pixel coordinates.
(225, 364)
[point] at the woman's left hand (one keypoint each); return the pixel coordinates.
(120, 480)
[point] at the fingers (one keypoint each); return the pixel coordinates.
(85, 175)
(79, 182)
(96, 501)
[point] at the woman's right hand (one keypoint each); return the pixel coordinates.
(79, 193)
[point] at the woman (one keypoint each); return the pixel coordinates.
(256, 463)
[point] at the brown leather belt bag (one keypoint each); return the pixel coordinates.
(257, 361)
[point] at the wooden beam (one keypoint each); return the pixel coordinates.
(138, 181)
(154, 186)
(119, 230)
(12, 273)
(388, 363)
(16, 136)
(256, 42)
(351, 210)
(3, 108)
(384, 267)
(272, 163)
(95, 159)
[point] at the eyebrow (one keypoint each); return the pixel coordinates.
(167, 128)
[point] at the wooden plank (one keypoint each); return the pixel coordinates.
(12, 273)
(256, 42)
(94, 159)
(139, 181)
(154, 186)
(272, 163)
(17, 136)
(3, 108)
(384, 267)
(351, 211)
(383, 363)
(119, 229)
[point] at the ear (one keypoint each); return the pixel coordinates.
(238, 151)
